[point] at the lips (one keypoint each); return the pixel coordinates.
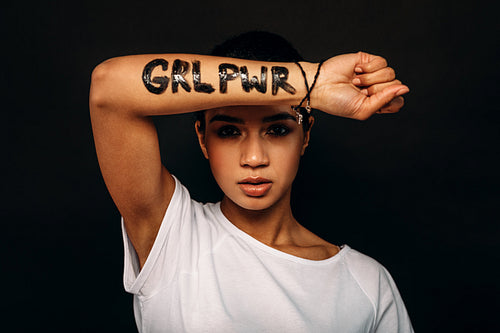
(255, 186)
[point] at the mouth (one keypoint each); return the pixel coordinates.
(255, 186)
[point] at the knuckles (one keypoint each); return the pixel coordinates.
(391, 74)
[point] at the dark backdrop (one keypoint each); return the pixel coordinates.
(417, 190)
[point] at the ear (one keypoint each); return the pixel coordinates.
(201, 138)
(307, 136)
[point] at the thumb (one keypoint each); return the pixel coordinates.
(376, 101)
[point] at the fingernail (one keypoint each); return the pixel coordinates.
(356, 81)
(364, 91)
(402, 91)
(358, 70)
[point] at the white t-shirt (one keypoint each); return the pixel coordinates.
(203, 274)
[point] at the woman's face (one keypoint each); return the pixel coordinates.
(254, 152)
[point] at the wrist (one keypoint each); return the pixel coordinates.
(310, 73)
(310, 70)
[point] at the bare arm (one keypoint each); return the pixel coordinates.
(146, 85)
(126, 91)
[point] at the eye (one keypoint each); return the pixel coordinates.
(228, 131)
(278, 130)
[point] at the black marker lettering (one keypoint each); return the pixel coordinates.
(161, 80)
(198, 85)
(280, 75)
(179, 70)
(254, 82)
(224, 76)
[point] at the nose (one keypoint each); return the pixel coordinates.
(254, 152)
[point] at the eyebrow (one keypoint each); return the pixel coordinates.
(229, 119)
(278, 116)
(235, 120)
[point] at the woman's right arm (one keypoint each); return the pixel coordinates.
(126, 91)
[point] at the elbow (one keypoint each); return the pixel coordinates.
(99, 91)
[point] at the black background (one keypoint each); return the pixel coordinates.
(417, 190)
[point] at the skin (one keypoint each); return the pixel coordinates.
(248, 144)
(354, 85)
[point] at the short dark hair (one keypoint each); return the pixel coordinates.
(258, 45)
(261, 46)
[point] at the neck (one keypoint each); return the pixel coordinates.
(271, 226)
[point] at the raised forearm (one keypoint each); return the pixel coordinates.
(161, 84)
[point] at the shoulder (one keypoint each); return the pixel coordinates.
(182, 200)
(368, 273)
(361, 264)
(184, 208)
(378, 285)
(187, 227)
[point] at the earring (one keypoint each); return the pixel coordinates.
(299, 117)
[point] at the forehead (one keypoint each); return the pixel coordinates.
(250, 113)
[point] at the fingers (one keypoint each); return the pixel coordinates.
(386, 74)
(387, 100)
(373, 89)
(379, 84)
(369, 63)
(393, 106)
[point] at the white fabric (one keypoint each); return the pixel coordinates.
(203, 274)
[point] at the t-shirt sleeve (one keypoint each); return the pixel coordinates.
(391, 315)
(163, 258)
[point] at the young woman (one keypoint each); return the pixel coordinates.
(243, 264)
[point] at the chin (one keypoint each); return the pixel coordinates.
(254, 203)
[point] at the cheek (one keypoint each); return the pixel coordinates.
(220, 157)
(288, 162)
(286, 158)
